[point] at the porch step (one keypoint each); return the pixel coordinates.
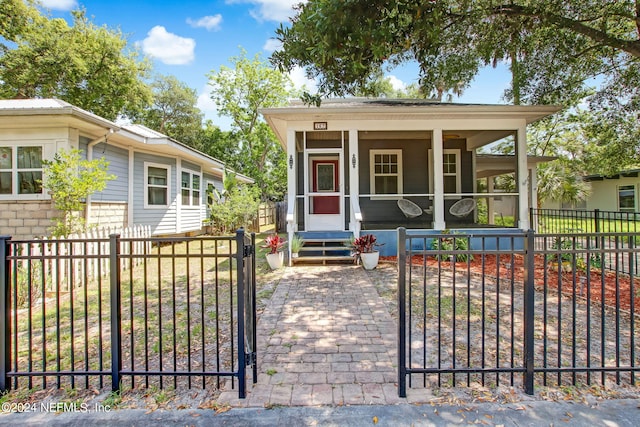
(325, 247)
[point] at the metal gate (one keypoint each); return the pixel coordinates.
(113, 311)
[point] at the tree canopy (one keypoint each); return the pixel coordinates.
(83, 64)
(558, 52)
(238, 93)
(173, 110)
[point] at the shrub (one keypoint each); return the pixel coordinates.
(452, 244)
(237, 209)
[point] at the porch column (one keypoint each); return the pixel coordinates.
(353, 164)
(292, 167)
(522, 174)
(533, 188)
(490, 205)
(438, 181)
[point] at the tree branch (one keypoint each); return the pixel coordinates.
(631, 47)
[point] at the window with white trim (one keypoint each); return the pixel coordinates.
(627, 198)
(157, 188)
(451, 171)
(190, 186)
(385, 171)
(20, 170)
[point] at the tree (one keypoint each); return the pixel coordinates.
(554, 49)
(84, 64)
(70, 180)
(238, 93)
(173, 110)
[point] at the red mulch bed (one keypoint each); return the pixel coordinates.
(614, 287)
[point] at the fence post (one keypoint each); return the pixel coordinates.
(254, 338)
(529, 311)
(402, 315)
(5, 314)
(242, 363)
(116, 311)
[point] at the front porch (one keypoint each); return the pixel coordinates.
(351, 160)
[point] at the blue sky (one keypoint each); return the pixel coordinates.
(191, 38)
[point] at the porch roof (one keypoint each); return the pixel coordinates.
(384, 109)
(488, 165)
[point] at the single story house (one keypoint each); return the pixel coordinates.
(160, 182)
(614, 193)
(350, 162)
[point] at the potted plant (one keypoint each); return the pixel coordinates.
(295, 245)
(275, 257)
(363, 248)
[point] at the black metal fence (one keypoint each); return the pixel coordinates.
(517, 309)
(554, 221)
(178, 313)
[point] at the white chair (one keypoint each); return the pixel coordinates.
(462, 207)
(409, 209)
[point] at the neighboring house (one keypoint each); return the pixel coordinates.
(351, 160)
(159, 182)
(615, 193)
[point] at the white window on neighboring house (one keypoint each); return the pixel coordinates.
(385, 171)
(190, 188)
(157, 191)
(627, 198)
(451, 171)
(20, 170)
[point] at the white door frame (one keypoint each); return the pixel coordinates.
(323, 222)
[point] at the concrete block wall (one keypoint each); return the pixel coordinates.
(26, 219)
(114, 215)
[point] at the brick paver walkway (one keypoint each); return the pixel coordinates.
(325, 338)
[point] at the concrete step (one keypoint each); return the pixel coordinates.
(323, 258)
(324, 248)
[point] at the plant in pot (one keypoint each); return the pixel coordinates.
(275, 257)
(363, 248)
(296, 244)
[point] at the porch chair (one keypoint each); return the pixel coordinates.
(409, 209)
(462, 207)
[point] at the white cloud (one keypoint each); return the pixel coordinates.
(301, 81)
(272, 45)
(271, 10)
(169, 48)
(396, 83)
(59, 4)
(211, 23)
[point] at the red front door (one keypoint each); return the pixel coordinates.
(325, 180)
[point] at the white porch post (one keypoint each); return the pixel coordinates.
(533, 188)
(438, 181)
(292, 165)
(354, 183)
(522, 174)
(490, 202)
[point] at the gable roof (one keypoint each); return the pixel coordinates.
(52, 112)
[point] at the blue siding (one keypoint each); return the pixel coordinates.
(389, 239)
(118, 189)
(162, 221)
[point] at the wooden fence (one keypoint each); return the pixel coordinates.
(66, 262)
(266, 216)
